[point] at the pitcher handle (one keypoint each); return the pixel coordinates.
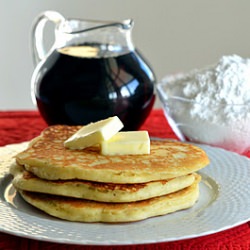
(38, 49)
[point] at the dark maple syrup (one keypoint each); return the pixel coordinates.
(83, 84)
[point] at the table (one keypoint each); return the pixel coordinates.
(19, 126)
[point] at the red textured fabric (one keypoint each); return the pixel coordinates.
(24, 125)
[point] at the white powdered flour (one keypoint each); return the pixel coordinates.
(219, 113)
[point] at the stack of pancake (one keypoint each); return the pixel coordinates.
(83, 185)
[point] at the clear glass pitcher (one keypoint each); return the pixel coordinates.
(91, 72)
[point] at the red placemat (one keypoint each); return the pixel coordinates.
(24, 125)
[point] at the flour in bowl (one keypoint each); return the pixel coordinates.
(219, 111)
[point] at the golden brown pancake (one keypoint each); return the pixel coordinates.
(47, 158)
(105, 192)
(73, 209)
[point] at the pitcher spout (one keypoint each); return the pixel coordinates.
(128, 24)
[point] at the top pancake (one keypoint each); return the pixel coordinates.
(47, 158)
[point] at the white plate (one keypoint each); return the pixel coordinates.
(224, 203)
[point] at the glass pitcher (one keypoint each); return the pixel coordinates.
(91, 72)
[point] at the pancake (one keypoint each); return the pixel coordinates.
(47, 158)
(80, 210)
(104, 192)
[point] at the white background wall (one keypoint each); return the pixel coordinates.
(174, 35)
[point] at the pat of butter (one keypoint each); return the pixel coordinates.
(127, 143)
(94, 133)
